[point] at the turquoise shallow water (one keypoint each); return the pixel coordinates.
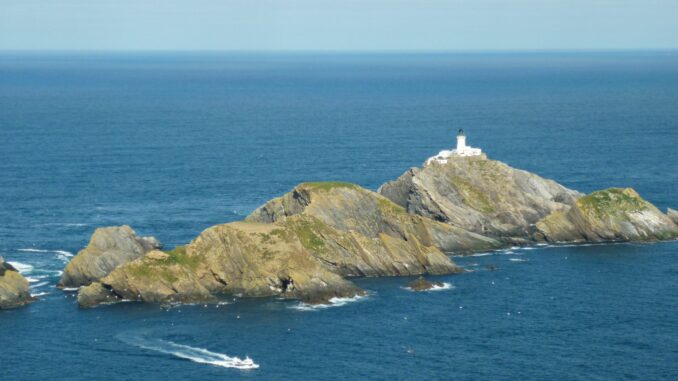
(173, 143)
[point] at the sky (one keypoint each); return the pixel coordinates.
(338, 25)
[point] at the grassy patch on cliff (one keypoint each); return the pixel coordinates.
(309, 239)
(472, 196)
(309, 231)
(388, 207)
(179, 256)
(612, 200)
(149, 268)
(328, 185)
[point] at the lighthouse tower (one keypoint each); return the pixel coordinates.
(462, 151)
(461, 141)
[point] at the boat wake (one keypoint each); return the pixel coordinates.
(197, 355)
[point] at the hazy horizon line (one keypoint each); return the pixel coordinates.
(350, 51)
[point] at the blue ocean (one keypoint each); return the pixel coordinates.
(172, 143)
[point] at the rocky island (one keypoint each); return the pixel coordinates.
(14, 290)
(309, 243)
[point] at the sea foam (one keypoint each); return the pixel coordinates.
(23, 268)
(62, 252)
(334, 302)
(445, 286)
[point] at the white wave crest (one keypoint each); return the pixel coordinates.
(35, 250)
(62, 224)
(517, 260)
(70, 289)
(334, 302)
(61, 252)
(445, 286)
(198, 355)
(39, 285)
(481, 254)
(435, 287)
(36, 278)
(23, 268)
(39, 294)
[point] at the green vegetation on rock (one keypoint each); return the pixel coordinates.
(179, 256)
(612, 200)
(389, 207)
(327, 185)
(472, 196)
(613, 214)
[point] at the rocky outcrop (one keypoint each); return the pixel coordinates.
(422, 284)
(298, 246)
(613, 214)
(108, 248)
(480, 195)
(304, 244)
(242, 258)
(673, 215)
(14, 290)
(367, 215)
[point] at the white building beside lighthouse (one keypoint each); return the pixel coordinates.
(462, 150)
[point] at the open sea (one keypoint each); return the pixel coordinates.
(173, 143)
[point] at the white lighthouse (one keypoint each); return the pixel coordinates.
(462, 150)
(461, 141)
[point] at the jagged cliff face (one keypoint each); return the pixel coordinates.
(108, 248)
(480, 195)
(350, 208)
(608, 215)
(14, 291)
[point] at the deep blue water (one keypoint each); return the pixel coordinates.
(174, 143)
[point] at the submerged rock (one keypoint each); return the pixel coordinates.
(108, 248)
(422, 284)
(480, 195)
(613, 214)
(14, 290)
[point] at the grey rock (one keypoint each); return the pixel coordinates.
(480, 195)
(109, 247)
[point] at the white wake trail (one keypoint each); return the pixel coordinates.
(197, 355)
